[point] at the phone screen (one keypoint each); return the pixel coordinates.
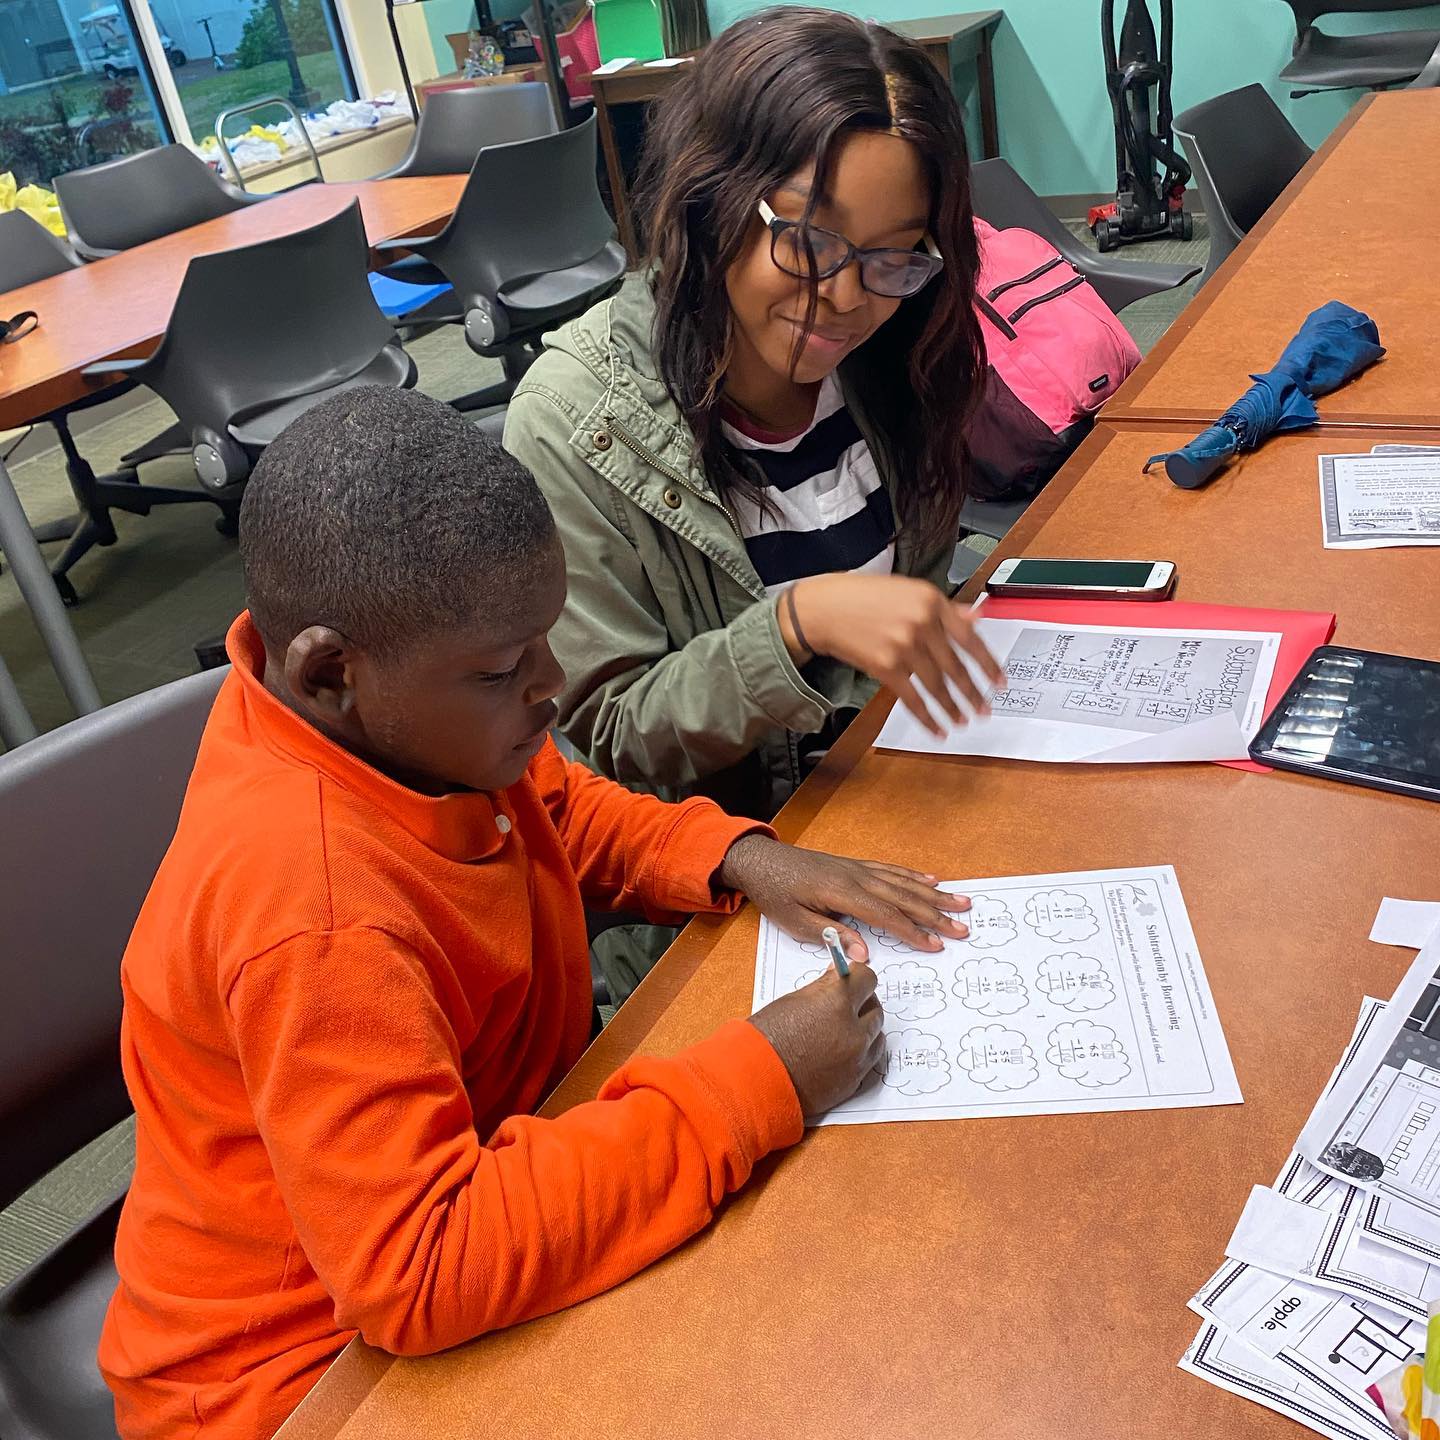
(1091, 574)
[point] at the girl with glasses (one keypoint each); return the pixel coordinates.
(755, 450)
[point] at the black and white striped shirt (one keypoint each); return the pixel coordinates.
(828, 509)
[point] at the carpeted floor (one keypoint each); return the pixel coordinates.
(171, 582)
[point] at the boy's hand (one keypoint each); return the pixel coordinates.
(803, 891)
(828, 1036)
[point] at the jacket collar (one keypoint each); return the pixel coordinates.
(635, 413)
(469, 825)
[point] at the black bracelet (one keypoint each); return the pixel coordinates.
(805, 645)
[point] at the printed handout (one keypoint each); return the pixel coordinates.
(1081, 991)
(1095, 693)
(1386, 498)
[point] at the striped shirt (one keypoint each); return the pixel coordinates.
(828, 509)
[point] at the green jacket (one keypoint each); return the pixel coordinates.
(677, 679)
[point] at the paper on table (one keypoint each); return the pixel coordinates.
(1336, 1343)
(669, 62)
(611, 66)
(1405, 922)
(1301, 631)
(1234, 1366)
(1384, 499)
(1379, 1127)
(1321, 1241)
(1075, 992)
(1107, 695)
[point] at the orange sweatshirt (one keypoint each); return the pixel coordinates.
(341, 999)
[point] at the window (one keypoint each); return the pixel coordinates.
(74, 88)
(83, 81)
(234, 51)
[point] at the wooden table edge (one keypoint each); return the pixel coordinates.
(1121, 406)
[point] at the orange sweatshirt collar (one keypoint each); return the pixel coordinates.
(471, 825)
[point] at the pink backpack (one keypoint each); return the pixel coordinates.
(1056, 354)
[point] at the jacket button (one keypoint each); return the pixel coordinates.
(601, 439)
(672, 499)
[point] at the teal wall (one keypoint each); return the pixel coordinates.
(1049, 77)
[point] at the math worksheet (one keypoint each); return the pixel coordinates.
(1091, 693)
(1081, 991)
(1387, 498)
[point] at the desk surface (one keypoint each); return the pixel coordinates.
(1015, 1268)
(119, 307)
(1339, 232)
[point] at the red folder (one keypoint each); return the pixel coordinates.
(1301, 631)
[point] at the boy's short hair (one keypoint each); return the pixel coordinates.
(388, 516)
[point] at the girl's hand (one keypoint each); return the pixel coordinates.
(803, 891)
(895, 629)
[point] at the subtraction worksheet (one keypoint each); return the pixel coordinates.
(1091, 693)
(1081, 991)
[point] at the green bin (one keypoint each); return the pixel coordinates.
(629, 28)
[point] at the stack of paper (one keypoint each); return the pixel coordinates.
(1329, 1273)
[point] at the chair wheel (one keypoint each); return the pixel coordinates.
(228, 522)
(68, 594)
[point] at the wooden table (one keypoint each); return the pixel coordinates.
(949, 40)
(1340, 231)
(989, 1278)
(118, 308)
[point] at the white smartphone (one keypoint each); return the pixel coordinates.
(1027, 578)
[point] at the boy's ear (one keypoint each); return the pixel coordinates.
(319, 663)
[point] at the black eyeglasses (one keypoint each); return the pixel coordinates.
(807, 251)
(18, 327)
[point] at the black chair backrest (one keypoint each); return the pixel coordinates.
(456, 125)
(269, 322)
(1249, 149)
(528, 208)
(86, 814)
(125, 202)
(29, 252)
(1002, 199)
(1308, 11)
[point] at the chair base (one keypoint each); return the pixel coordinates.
(97, 496)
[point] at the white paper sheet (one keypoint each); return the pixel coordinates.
(1379, 1127)
(1386, 498)
(1405, 922)
(1336, 1344)
(611, 66)
(1321, 1242)
(1081, 991)
(1092, 693)
(1232, 1365)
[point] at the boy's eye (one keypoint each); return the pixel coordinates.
(498, 677)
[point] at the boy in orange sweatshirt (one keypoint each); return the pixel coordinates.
(363, 960)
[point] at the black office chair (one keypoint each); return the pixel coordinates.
(530, 245)
(1372, 61)
(123, 203)
(86, 813)
(28, 253)
(1243, 152)
(456, 125)
(258, 336)
(1002, 199)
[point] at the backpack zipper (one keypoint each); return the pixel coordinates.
(1054, 294)
(995, 317)
(655, 462)
(1035, 274)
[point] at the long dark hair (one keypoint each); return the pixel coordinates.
(778, 91)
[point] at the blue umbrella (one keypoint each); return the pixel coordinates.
(1333, 345)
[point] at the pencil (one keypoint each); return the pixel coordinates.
(831, 936)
